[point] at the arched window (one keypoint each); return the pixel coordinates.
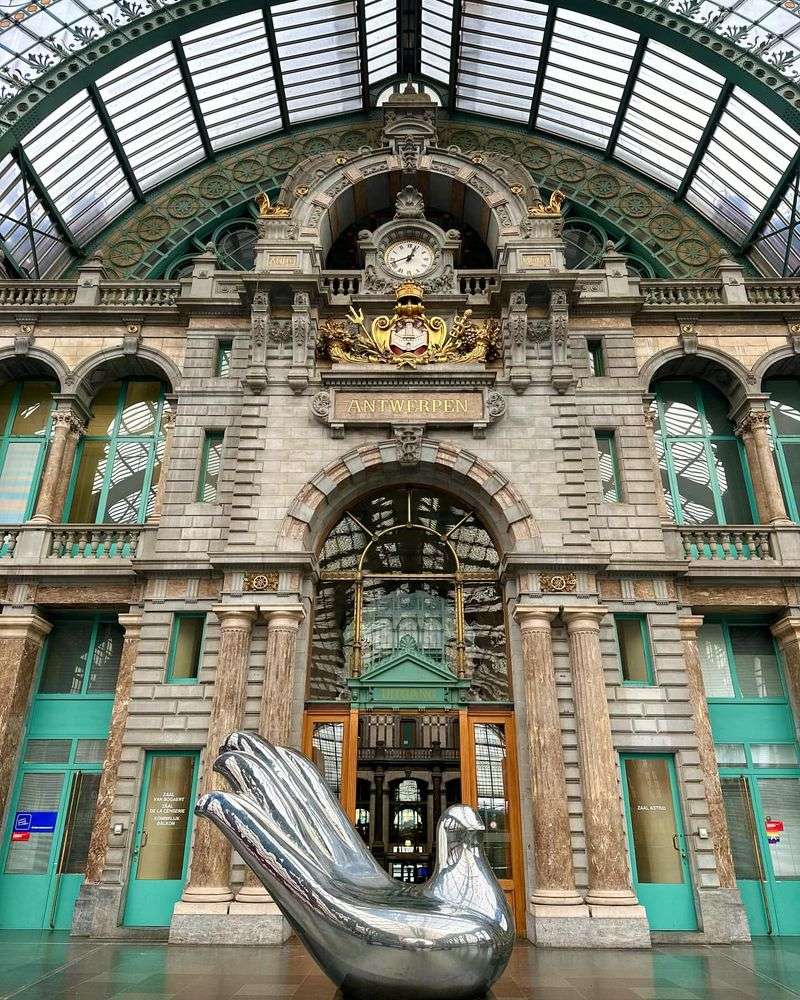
(784, 402)
(25, 409)
(117, 464)
(703, 466)
(395, 560)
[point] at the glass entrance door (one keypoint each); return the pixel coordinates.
(657, 842)
(161, 841)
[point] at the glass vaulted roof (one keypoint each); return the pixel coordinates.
(569, 75)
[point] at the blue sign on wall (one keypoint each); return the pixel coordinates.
(35, 822)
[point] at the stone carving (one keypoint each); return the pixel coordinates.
(558, 583)
(538, 330)
(495, 404)
(687, 337)
(261, 582)
(450, 937)
(280, 331)
(445, 282)
(132, 337)
(409, 439)
(321, 404)
(374, 281)
(23, 339)
(409, 204)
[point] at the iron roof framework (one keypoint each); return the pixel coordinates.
(573, 71)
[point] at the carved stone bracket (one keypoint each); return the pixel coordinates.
(23, 340)
(515, 323)
(409, 437)
(561, 376)
(793, 333)
(687, 335)
(132, 337)
(302, 335)
(256, 376)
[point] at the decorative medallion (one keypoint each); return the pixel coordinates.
(351, 140)
(248, 170)
(636, 204)
(125, 253)
(408, 337)
(499, 144)
(665, 227)
(693, 252)
(571, 169)
(316, 146)
(282, 158)
(464, 139)
(261, 582)
(153, 228)
(558, 583)
(604, 185)
(183, 206)
(536, 157)
(215, 186)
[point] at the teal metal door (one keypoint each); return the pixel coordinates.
(162, 837)
(656, 839)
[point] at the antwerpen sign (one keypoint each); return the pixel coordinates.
(473, 407)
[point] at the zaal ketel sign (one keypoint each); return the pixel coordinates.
(27, 823)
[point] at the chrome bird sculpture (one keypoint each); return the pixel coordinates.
(376, 938)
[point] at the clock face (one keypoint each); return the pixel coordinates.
(408, 258)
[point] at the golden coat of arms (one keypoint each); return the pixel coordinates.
(408, 336)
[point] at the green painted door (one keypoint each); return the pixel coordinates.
(162, 837)
(657, 842)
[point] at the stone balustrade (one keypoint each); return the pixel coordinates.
(722, 542)
(37, 293)
(681, 293)
(478, 286)
(340, 285)
(773, 293)
(8, 542)
(136, 293)
(94, 541)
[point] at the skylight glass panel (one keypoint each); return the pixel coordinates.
(499, 57)
(232, 74)
(33, 249)
(672, 100)
(586, 74)
(749, 151)
(75, 161)
(319, 57)
(779, 244)
(437, 33)
(150, 111)
(381, 21)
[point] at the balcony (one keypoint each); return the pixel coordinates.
(727, 542)
(42, 544)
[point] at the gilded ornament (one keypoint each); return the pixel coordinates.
(267, 210)
(302, 190)
(248, 170)
(183, 206)
(153, 228)
(539, 210)
(214, 186)
(558, 583)
(340, 160)
(571, 169)
(636, 204)
(261, 582)
(408, 337)
(517, 189)
(604, 185)
(476, 158)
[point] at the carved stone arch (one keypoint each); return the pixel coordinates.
(321, 191)
(443, 465)
(36, 362)
(113, 363)
(786, 357)
(720, 369)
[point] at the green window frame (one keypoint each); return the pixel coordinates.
(176, 657)
(210, 467)
(597, 361)
(121, 447)
(726, 624)
(96, 635)
(609, 467)
(786, 445)
(14, 509)
(222, 362)
(700, 446)
(628, 631)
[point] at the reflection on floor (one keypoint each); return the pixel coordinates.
(53, 967)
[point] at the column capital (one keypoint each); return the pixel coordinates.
(787, 628)
(131, 623)
(30, 626)
(534, 617)
(586, 619)
(689, 626)
(283, 616)
(236, 616)
(752, 420)
(69, 419)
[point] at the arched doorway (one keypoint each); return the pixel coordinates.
(409, 705)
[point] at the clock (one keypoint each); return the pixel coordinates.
(408, 258)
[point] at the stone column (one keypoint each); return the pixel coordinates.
(606, 848)
(168, 427)
(555, 881)
(101, 826)
(21, 638)
(753, 428)
(67, 428)
(650, 421)
(209, 880)
(717, 818)
(276, 707)
(787, 632)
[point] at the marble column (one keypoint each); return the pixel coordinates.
(67, 428)
(276, 707)
(606, 848)
(555, 880)
(651, 421)
(787, 632)
(753, 428)
(209, 878)
(21, 638)
(717, 818)
(103, 813)
(168, 428)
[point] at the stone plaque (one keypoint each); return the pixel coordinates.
(283, 262)
(535, 261)
(432, 406)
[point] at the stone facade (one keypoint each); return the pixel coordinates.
(570, 560)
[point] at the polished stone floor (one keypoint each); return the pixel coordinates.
(53, 967)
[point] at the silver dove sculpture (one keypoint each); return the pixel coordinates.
(374, 937)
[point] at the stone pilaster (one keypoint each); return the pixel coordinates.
(168, 428)
(651, 420)
(610, 894)
(555, 894)
(753, 428)
(21, 638)
(787, 632)
(209, 878)
(74, 433)
(67, 428)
